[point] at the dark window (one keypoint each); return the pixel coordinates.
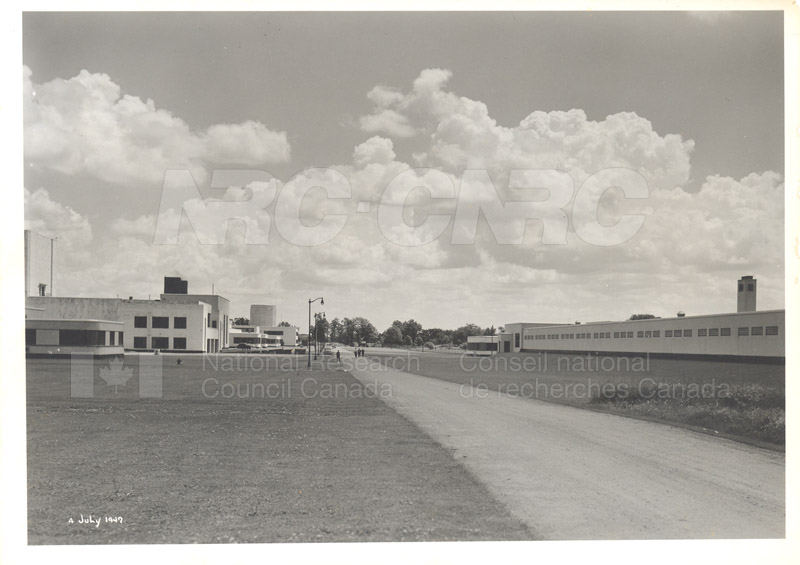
(179, 343)
(630, 334)
(744, 331)
(677, 333)
(667, 333)
(120, 336)
(71, 337)
(160, 342)
(741, 287)
(687, 333)
(713, 332)
(140, 343)
(750, 286)
(161, 321)
(179, 322)
(30, 337)
(616, 334)
(702, 333)
(140, 321)
(639, 334)
(656, 333)
(648, 333)
(608, 334)
(213, 323)
(81, 337)
(758, 330)
(772, 330)
(725, 331)
(112, 338)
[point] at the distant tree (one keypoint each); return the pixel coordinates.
(364, 330)
(461, 334)
(642, 317)
(336, 330)
(324, 330)
(411, 329)
(241, 321)
(437, 336)
(284, 325)
(490, 331)
(392, 336)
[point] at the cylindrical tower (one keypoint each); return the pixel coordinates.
(264, 315)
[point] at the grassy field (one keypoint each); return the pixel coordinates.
(740, 400)
(238, 453)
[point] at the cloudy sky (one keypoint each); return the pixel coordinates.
(691, 102)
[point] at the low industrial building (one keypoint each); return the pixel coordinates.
(265, 338)
(743, 334)
(175, 322)
(483, 344)
(46, 337)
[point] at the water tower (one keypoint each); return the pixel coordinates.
(263, 315)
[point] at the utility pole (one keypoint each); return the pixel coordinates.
(52, 247)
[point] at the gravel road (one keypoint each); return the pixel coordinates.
(576, 474)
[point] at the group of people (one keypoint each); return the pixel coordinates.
(358, 352)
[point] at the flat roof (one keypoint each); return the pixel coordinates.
(727, 314)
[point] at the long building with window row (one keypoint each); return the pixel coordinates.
(743, 334)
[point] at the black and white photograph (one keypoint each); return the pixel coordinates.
(299, 282)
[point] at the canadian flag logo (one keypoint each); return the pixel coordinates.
(117, 373)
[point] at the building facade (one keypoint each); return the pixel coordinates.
(274, 337)
(746, 333)
(182, 324)
(483, 344)
(46, 337)
(158, 325)
(741, 334)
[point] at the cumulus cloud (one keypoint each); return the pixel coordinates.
(47, 217)
(86, 124)
(72, 231)
(387, 121)
(376, 149)
(702, 239)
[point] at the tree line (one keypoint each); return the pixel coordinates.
(409, 333)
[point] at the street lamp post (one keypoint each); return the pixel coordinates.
(308, 345)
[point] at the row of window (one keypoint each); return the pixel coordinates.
(140, 342)
(704, 332)
(482, 346)
(160, 322)
(91, 338)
